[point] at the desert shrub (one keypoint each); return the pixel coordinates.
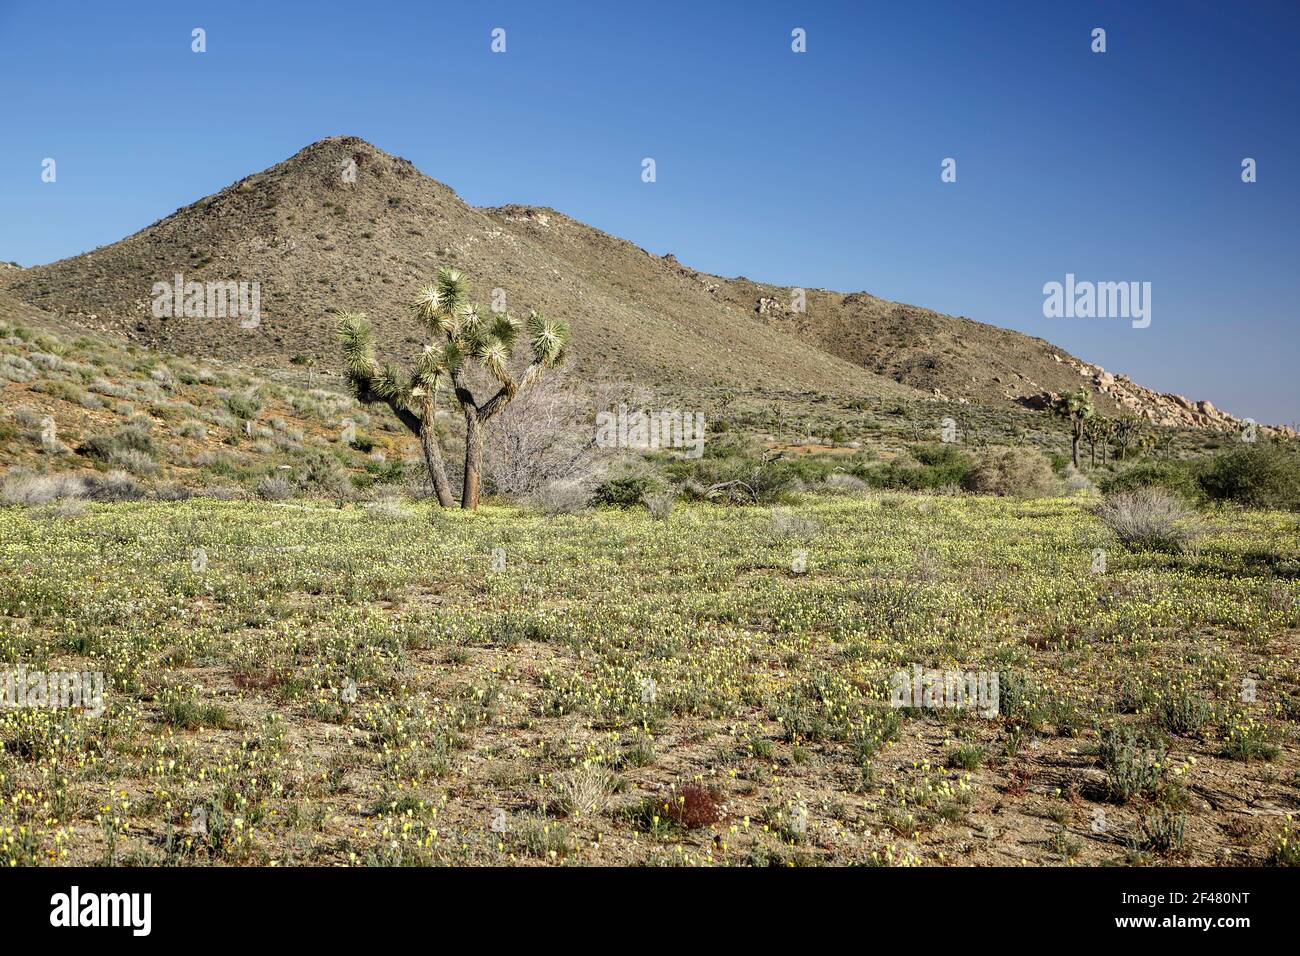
(625, 491)
(113, 486)
(842, 484)
(16, 368)
(931, 467)
(1262, 476)
(1176, 477)
(135, 437)
(243, 406)
(386, 472)
(560, 497)
(27, 417)
(223, 493)
(136, 462)
(694, 807)
(1076, 482)
(60, 389)
(1134, 764)
(585, 790)
(172, 492)
(275, 488)
(1021, 472)
(1162, 831)
(735, 471)
(1149, 519)
(319, 472)
(25, 488)
(543, 436)
(660, 504)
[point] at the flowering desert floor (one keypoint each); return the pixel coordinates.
(299, 684)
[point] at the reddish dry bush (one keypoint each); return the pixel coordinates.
(694, 807)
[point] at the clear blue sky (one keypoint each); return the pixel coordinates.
(820, 169)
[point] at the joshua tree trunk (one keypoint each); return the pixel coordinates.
(433, 457)
(1074, 447)
(473, 459)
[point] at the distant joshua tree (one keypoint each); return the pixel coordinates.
(1098, 430)
(1126, 431)
(1075, 407)
(459, 335)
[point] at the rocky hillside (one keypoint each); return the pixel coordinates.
(317, 239)
(345, 225)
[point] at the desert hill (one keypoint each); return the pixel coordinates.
(342, 224)
(316, 242)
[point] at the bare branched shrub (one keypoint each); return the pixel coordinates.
(387, 504)
(275, 488)
(842, 484)
(113, 486)
(1077, 483)
(545, 438)
(223, 493)
(136, 462)
(62, 510)
(24, 488)
(789, 524)
(1149, 519)
(585, 790)
(561, 497)
(660, 504)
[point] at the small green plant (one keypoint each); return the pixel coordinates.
(1162, 831)
(966, 757)
(1134, 765)
(1286, 846)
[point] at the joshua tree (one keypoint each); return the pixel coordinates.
(413, 399)
(460, 335)
(1126, 430)
(1098, 431)
(1076, 407)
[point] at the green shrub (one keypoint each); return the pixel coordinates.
(1134, 763)
(1022, 472)
(932, 467)
(623, 492)
(135, 437)
(319, 471)
(242, 406)
(736, 471)
(1259, 476)
(1175, 477)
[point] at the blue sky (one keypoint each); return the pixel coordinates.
(818, 169)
